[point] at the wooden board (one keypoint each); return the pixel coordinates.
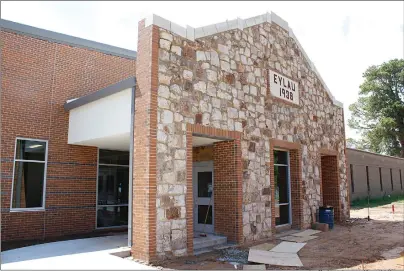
(288, 247)
(254, 267)
(274, 258)
(298, 239)
(265, 246)
(306, 233)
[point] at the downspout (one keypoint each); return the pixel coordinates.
(131, 146)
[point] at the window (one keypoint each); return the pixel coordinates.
(401, 181)
(282, 188)
(113, 188)
(352, 179)
(381, 179)
(391, 179)
(30, 159)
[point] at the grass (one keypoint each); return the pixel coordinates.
(362, 203)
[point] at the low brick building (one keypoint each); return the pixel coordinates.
(374, 175)
(226, 129)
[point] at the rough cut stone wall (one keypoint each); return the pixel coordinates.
(221, 81)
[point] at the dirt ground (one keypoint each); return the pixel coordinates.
(354, 244)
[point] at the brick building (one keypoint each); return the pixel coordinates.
(374, 175)
(226, 129)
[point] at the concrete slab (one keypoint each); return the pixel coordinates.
(298, 239)
(80, 254)
(286, 233)
(254, 267)
(288, 247)
(306, 233)
(265, 246)
(274, 258)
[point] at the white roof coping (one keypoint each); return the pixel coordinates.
(191, 33)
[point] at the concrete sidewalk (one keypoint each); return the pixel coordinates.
(89, 253)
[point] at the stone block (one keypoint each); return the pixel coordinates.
(173, 213)
(320, 226)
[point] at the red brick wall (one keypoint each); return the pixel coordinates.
(227, 189)
(296, 188)
(145, 136)
(37, 78)
(330, 184)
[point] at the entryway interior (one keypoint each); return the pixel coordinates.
(214, 192)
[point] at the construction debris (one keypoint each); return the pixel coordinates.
(234, 255)
(320, 226)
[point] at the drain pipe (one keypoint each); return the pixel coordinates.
(131, 146)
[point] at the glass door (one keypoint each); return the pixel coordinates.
(203, 196)
(282, 188)
(112, 189)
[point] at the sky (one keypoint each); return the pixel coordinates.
(342, 38)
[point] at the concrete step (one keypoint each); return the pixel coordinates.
(209, 242)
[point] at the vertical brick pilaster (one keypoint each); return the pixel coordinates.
(228, 189)
(296, 188)
(145, 129)
(330, 184)
(189, 201)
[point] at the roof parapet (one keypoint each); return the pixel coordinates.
(51, 36)
(191, 33)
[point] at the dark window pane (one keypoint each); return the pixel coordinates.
(112, 216)
(202, 210)
(281, 214)
(113, 185)
(30, 150)
(28, 184)
(280, 157)
(281, 184)
(114, 157)
(205, 184)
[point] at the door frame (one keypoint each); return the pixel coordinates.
(288, 186)
(206, 165)
(115, 205)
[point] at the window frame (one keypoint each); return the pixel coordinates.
(289, 184)
(45, 162)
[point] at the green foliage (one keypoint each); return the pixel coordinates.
(387, 199)
(378, 114)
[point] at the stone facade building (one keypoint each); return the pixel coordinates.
(233, 133)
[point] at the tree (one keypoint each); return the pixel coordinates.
(378, 114)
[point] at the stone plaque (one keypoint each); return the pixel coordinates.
(283, 88)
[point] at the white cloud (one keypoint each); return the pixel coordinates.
(372, 31)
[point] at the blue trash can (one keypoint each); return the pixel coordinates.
(326, 215)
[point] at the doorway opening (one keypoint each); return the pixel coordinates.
(203, 184)
(215, 187)
(330, 184)
(283, 206)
